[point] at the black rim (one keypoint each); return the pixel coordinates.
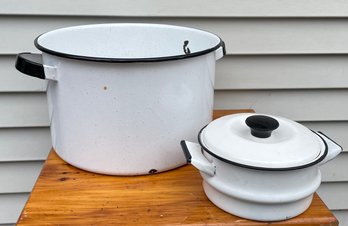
(131, 60)
(263, 168)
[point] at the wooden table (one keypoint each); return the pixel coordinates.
(65, 195)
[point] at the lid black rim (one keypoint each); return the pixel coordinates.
(263, 168)
(131, 60)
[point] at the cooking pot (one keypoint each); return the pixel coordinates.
(121, 96)
(260, 167)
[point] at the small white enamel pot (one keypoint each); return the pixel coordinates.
(260, 167)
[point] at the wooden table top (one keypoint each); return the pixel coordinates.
(65, 195)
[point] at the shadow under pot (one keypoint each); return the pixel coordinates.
(260, 167)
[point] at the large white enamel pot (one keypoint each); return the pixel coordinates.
(121, 96)
(254, 173)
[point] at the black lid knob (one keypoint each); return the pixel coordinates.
(261, 126)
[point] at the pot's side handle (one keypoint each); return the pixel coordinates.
(31, 64)
(194, 155)
(221, 51)
(333, 148)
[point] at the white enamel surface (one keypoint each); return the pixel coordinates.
(50, 72)
(333, 149)
(127, 119)
(198, 160)
(261, 195)
(219, 53)
(290, 145)
(256, 211)
(264, 186)
(127, 41)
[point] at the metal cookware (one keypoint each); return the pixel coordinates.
(121, 96)
(260, 167)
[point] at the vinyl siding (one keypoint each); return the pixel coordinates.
(300, 105)
(334, 194)
(11, 206)
(262, 72)
(18, 177)
(179, 8)
(244, 36)
(24, 144)
(23, 110)
(285, 57)
(13, 81)
(342, 216)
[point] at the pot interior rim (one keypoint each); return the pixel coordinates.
(128, 42)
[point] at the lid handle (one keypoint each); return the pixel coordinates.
(261, 126)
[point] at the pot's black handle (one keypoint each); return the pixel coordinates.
(194, 155)
(30, 64)
(186, 151)
(222, 44)
(261, 126)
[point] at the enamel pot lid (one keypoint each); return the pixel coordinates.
(262, 142)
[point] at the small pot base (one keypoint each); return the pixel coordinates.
(256, 211)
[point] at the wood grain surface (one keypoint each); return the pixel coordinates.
(65, 195)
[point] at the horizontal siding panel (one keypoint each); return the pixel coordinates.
(242, 36)
(179, 8)
(11, 206)
(301, 105)
(30, 109)
(282, 72)
(233, 72)
(335, 130)
(342, 216)
(14, 81)
(336, 169)
(23, 144)
(23, 110)
(334, 195)
(19, 177)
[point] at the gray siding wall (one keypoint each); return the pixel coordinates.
(285, 57)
